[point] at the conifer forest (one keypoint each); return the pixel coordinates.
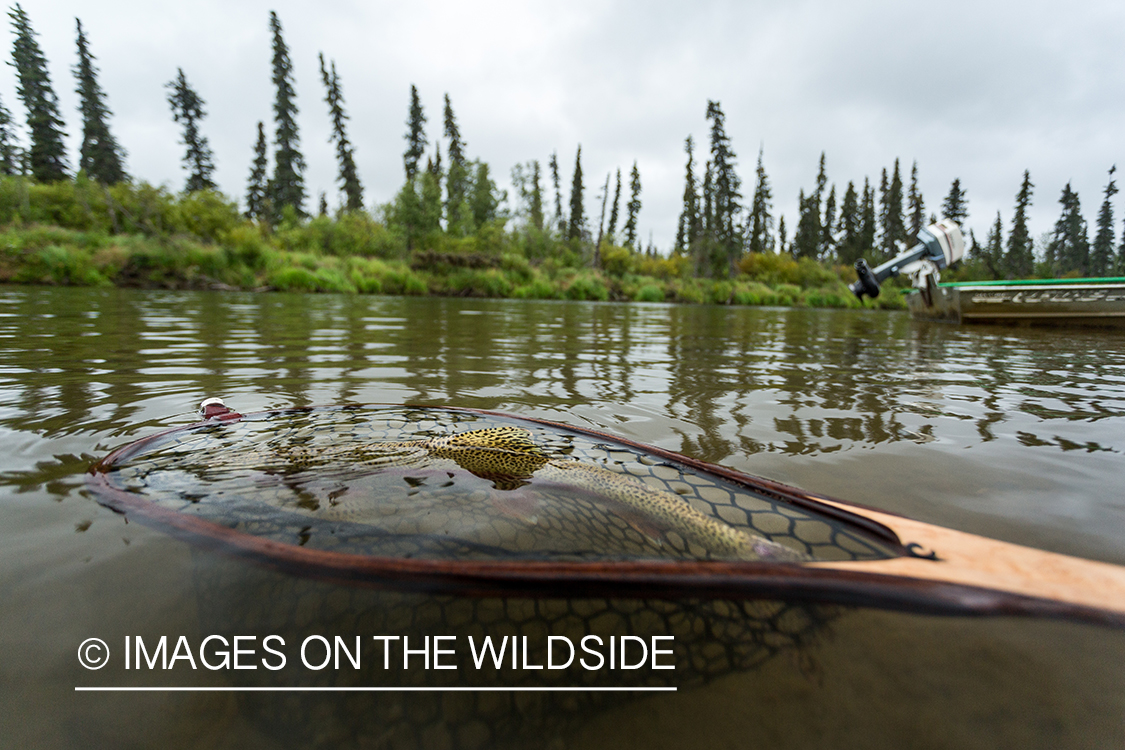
(84, 219)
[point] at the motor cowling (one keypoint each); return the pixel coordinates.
(939, 245)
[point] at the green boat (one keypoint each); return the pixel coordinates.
(1088, 302)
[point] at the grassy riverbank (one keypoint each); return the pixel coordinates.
(81, 233)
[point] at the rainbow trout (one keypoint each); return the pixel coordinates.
(510, 458)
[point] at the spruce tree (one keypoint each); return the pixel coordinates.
(633, 209)
(972, 247)
(46, 155)
(428, 206)
(429, 182)
(453, 133)
(810, 230)
(1019, 262)
(781, 242)
(256, 199)
(821, 179)
(415, 136)
(433, 164)
(601, 224)
(689, 227)
(100, 156)
(1101, 255)
(1068, 250)
(457, 180)
(850, 248)
(761, 211)
(956, 205)
(611, 232)
(867, 219)
(725, 191)
(1119, 266)
(560, 217)
(576, 229)
(526, 179)
(187, 110)
(406, 211)
(915, 207)
(993, 251)
(345, 154)
(536, 197)
(897, 197)
(884, 189)
(10, 155)
(707, 213)
(287, 187)
(893, 225)
(828, 229)
(806, 240)
(486, 198)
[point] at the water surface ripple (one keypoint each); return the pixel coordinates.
(1014, 433)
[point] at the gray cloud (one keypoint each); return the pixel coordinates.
(969, 90)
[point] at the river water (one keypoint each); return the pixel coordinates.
(1012, 433)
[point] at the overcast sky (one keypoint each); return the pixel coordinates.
(975, 90)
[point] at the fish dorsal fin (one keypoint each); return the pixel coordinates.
(509, 438)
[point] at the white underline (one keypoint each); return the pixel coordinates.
(370, 689)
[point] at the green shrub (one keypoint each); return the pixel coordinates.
(825, 298)
(890, 298)
(401, 280)
(616, 261)
(293, 236)
(135, 234)
(140, 208)
(492, 238)
(15, 200)
(517, 267)
(768, 268)
(54, 204)
(754, 293)
(787, 295)
(673, 267)
(691, 291)
(365, 284)
(332, 280)
(56, 264)
(206, 215)
(37, 236)
(245, 244)
(473, 282)
(721, 293)
(586, 286)
(206, 260)
(534, 244)
(353, 233)
(293, 279)
(537, 289)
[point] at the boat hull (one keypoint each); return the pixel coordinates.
(1062, 302)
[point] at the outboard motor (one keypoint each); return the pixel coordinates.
(939, 245)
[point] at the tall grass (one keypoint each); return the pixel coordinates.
(82, 233)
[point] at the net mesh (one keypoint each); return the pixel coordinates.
(711, 639)
(353, 480)
(347, 480)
